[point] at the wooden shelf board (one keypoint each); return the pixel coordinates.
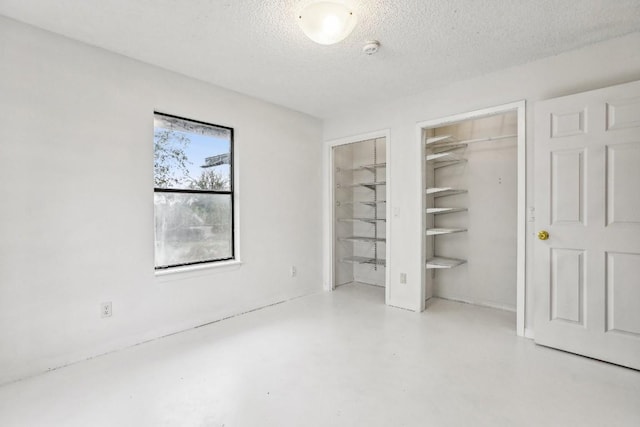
(442, 262)
(363, 260)
(372, 220)
(441, 211)
(443, 191)
(363, 239)
(440, 231)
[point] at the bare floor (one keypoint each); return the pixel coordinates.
(334, 359)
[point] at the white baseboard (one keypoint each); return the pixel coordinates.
(479, 303)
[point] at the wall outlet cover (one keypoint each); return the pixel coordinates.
(105, 309)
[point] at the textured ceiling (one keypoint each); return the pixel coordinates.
(255, 46)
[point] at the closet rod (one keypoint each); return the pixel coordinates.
(440, 142)
(488, 138)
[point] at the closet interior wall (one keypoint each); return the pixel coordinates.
(481, 230)
(359, 215)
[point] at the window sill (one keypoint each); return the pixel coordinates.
(196, 270)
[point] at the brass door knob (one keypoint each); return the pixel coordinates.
(543, 235)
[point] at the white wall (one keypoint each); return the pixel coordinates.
(76, 216)
(611, 62)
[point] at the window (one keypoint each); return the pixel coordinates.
(193, 192)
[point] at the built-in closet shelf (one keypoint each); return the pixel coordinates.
(449, 157)
(363, 260)
(371, 167)
(443, 191)
(440, 140)
(449, 160)
(449, 147)
(441, 211)
(359, 211)
(442, 262)
(363, 239)
(362, 202)
(371, 220)
(444, 156)
(439, 231)
(369, 185)
(448, 140)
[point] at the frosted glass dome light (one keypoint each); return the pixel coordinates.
(326, 21)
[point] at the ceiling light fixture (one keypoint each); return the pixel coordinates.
(326, 21)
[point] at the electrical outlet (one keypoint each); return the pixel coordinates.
(403, 277)
(294, 271)
(105, 309)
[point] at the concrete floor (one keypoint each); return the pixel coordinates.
(334, 359)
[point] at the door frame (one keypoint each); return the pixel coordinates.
(329, 212)
(521, 247)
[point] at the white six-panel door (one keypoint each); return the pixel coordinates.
(587, 197)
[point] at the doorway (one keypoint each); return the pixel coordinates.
(474, 208)
(358, 193)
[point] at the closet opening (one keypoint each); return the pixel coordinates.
(473, 209)
(359, 223)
